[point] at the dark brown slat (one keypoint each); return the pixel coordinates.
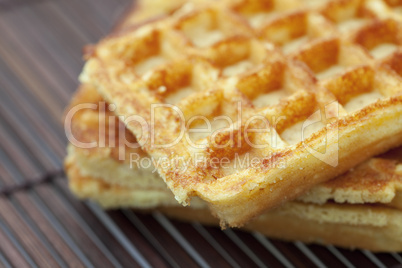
(31, 106)
(11, 173)
(324, 254)
(94, 26)
(116, 248)
(33, 226)
(61, 32)
(397, 257)
(340, 256)
(61, 68)
(16, 174)
(11, 253)
(180, 239)
(267, 244)
(231, 234)
(63, 63)
(201, 245)
(18, 157)
(4, 263)
(59, 228)
(104, 15)
(149, 237)
(46, 228)
(309, 254)
(91, 220)
(119, 235)
(357, 258)
(211, 240)
(167, 242)
(22, 123)
(5, 170)
(258, 250)
(133, 234)
(57, 207)
(233, 250)
(290, 251)
(34, 199)
(10, 5)
(387, 259)
(9, 233)
(4, 179)
(28, 124)
(91, 28)
(34, 246)
(19, 162)
(66, 25)
(19, 73)
(373, 258)
(58, 45)
(24, 64)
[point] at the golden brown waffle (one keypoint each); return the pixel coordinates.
(375, 228)
(274, 60)
(378, 180)
(351, 226)
(99, 175)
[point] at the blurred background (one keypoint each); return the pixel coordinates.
(41, 223)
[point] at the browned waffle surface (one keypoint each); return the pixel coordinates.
(43, 225)
(277, 67)
(378, 180)
(98, 175)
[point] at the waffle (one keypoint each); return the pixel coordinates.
(375, 228)
(335, 63)
(362, 205)
(378, 180)
(317, 217)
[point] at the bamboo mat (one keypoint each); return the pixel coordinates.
(41, 223)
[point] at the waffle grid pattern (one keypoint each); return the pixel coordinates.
(278, 62)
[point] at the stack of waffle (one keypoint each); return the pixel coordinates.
(265, 115)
